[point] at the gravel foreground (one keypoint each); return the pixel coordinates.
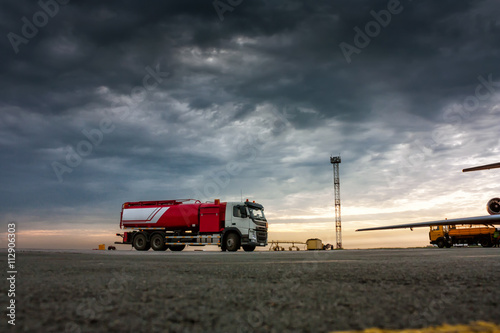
(318, 291)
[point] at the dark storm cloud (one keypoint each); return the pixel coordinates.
(97, 44)
(260, 83)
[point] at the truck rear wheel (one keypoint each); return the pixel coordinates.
(248, 248)
(140, 242)
(177, 247)
(232, 242)
(486, 242)
(158, 242)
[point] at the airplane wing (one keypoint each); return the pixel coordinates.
(483, 167)
(486, 220)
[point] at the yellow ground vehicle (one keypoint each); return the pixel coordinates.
(449, 235)
(314, 244)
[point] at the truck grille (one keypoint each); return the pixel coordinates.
(261, 237)
(260, 226)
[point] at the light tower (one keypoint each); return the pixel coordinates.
(336, 183)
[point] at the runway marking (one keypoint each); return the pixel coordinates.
(483, 256)
(478, 326)
(297, 262)
(306, 261)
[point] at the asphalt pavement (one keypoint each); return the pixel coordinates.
(304, 291)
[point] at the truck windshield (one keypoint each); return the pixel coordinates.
(257, 214)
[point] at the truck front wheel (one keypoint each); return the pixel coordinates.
(158, 242)
(248, 248)
(440, 243)
(232, 242)
(140, 242)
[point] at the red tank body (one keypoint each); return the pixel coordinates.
(173, 215)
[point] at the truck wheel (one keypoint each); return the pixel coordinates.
(248, 248)
(440, 243)
(485, 242)
(158, 242)
(177, 247)
(140, 242)
(232, 242)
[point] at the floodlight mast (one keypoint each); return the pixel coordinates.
(336, 183)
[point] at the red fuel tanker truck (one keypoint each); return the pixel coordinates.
(173, 224)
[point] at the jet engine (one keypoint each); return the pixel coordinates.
(493, 206)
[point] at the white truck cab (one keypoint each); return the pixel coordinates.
(248, 222)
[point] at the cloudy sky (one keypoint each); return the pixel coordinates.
(103, 103)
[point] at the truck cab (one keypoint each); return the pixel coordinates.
(245, 225)
(438, 235)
